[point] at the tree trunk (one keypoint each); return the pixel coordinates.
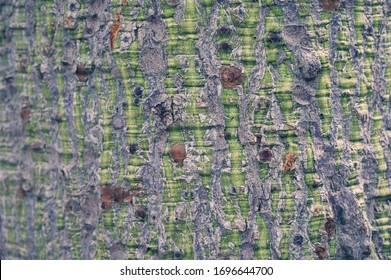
(195, 129)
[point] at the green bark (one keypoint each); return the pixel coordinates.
(286, 153)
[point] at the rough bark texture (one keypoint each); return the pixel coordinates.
(195, 129)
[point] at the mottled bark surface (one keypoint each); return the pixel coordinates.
(195, 129)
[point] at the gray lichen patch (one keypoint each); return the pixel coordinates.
(302, 94)
(172, 3)
(160, 105)
(152, 36)
(308, 64)
(118, 122)
(293, 34)
(152, 61)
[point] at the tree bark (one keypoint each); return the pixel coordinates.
(194, 129)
